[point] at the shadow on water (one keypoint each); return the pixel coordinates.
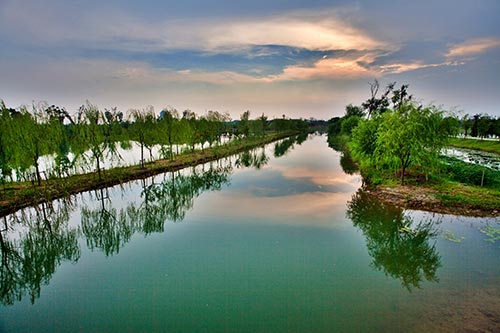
(36, 240)
(399, 247)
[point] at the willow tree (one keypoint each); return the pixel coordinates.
(167, 131)
(410, 135)
(143, 129)
(5, 119)
(34, 134)
(90, 134)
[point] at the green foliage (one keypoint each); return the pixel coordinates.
(468, 173)
(348, 124)
(410, 136)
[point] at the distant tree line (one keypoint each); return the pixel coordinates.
(93, 135)
(480, 125)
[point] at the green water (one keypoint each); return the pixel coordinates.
(276, 240)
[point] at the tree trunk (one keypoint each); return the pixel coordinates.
(98, 167)
(37, 167)
(142, 155)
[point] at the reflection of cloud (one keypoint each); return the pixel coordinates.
(472, 47)
(322, 177)
(320, 209)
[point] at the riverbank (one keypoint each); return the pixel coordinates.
(15, 196)
(444, 198)
(477, 144)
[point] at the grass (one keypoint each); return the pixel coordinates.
(456, 189)
(484, 145)
(14, 196)
(454, 194)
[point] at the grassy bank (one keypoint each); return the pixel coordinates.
(456, 189)
(446, 197)
(14, 196)
(484, 145)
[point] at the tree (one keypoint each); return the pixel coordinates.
(349, 123)
(90, 133)
(354, 110)
(143, 129)
(484, 126)
(243, 125)
(466, 124)
(375, 104)
(411, 135)
(168, 131)
(33, 135)
(262, 125)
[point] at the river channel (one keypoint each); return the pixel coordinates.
(279, 239)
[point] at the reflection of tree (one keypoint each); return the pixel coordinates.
(107, 229)
(397, 249)
(284, 146)
(253, 158)
(347, 163)
(29, 260)
(173, 197)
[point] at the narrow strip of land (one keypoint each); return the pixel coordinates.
(446, 198)
(15, 196)
(484, 145)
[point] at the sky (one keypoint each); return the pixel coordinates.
(304, 59)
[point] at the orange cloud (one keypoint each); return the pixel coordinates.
(313, 33)
(473, 47)
(332, 68)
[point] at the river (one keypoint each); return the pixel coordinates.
(279, 239)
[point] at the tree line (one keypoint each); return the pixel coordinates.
(92, 135)
(393, 131)
(28, 259)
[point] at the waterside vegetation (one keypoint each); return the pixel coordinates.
(84, 141)
(396, 143)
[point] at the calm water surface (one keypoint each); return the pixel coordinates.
(276, 240)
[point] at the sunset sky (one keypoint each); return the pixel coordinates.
(299, 58)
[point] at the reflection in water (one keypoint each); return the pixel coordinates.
(347, 163)
(399, 248)
(253, 158)
(30, 257)
(105, 228)
(284, 146)
(29, 260)
(108, 230)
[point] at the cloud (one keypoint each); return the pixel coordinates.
(473, 47)
(116, 29)
(397, 68)
(345, 67)
(316, 32)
